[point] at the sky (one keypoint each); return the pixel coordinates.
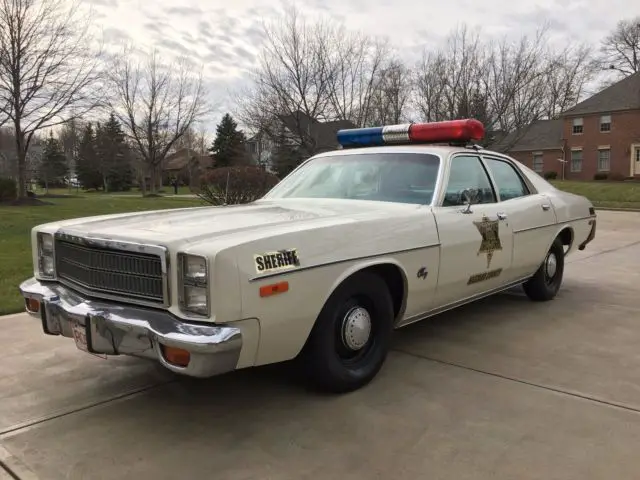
(226, 35)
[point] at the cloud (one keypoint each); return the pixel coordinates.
(186, 11)
(227, 39)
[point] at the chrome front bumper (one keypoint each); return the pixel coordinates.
(113, 329)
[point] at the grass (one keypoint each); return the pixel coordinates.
(605, 194)
(16, 224)
(166, 190)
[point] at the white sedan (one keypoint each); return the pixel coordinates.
(387, 231)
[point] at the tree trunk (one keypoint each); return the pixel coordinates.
(22, 162)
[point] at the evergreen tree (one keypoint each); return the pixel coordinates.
(113, 156)
(228, 148)
(88, 167)
(53, 167)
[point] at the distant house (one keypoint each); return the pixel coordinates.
(599, 136)
(540, 146)
(186, 165)
(308, 135)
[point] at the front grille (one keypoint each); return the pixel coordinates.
(101, 270)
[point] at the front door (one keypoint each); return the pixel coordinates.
(636, 160)
(476, 241)
(529, 214)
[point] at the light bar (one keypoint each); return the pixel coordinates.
(436, 132)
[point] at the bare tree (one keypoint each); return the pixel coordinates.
(310, 71)
(291, 80)
(507, 85)
(620, 50)
(446, 77)
(354, 74)
(157, 104)
(47, 66)
(391, 98)
(567, 75)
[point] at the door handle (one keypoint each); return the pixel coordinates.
(546, 206)
(502, 216)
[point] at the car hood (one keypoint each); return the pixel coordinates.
(192, 225)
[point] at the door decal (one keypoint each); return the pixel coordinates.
(490, 231)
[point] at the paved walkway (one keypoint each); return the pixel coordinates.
(503, 389)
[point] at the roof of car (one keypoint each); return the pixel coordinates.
(441, 150)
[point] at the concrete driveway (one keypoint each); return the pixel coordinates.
(502, 389)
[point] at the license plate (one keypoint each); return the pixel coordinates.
(80, 336)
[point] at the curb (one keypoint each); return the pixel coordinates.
(618, 209)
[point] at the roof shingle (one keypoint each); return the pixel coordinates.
(623, 95)
(540, 135)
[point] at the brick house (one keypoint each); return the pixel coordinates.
(600, 135)
(540, 146)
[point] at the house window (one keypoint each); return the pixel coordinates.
(538, 162)
(577, 126)
(605, 123)
(576, 160)
(604, 159)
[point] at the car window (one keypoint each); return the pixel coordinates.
(467, 171)
(508, 182)
(385, 177)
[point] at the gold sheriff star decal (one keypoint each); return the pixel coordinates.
(489, 229)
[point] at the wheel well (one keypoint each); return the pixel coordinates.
(393, 277)
(566, 236)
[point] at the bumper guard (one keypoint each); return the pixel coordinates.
(114, 329)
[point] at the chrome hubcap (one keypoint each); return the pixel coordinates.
(356, 328)
(551, 265)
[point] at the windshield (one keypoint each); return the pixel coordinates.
(383, 177)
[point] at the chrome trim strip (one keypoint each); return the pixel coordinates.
(336, 262)
(161, 251)
(558, 224)
(459, 303)
(116, 329)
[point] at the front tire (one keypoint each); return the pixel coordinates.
(545, 283)
(351, 337)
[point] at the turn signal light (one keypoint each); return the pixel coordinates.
(32, 305)
(274, 289)
(176, 356)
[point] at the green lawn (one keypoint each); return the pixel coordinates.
(17, 222)
(605, 194)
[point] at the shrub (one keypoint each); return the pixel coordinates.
(600, 176)
(617, 177)
(550, 175)
(235, 185)
(8, 189)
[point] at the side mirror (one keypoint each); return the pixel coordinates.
(470, 196)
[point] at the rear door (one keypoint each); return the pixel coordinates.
(476, 242)
(530, 216)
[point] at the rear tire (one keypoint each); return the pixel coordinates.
(545, 283)
(351, 337)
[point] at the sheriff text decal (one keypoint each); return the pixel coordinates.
(279, 261)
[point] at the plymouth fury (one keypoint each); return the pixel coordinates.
(399, 224)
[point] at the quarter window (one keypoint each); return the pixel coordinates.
(467, 172)
(508, 181)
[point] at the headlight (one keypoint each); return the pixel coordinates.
(193, 284)
(46, 257)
